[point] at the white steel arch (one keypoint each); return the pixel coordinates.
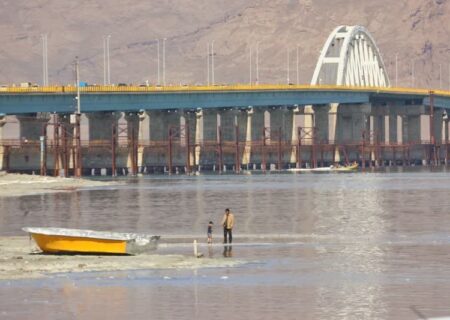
(350, 57)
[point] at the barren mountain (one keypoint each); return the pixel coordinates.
(416, 30)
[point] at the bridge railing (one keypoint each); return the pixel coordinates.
(200, 88)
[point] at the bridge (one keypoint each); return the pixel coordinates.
(62, 99)
(349, 112)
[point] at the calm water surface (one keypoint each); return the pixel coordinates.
(314, 246)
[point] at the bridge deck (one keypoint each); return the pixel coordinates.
(60, 99)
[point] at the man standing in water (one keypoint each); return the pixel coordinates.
(228, 223)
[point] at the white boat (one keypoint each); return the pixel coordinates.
(350, 168)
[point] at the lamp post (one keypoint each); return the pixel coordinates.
(77, 74)
(77, 158)
(207, 63)
(250, 65)
(288, 80)
(257, 63)
(44, 60)
(104, 60)
(396, 69)
(298, 73)
(159, 68)
(212, 62)
(108, 70)
(164, 61)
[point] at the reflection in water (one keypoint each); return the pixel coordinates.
(356, 246)
(227, 251)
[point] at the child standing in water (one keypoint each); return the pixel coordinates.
(210, 224)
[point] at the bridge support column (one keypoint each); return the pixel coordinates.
(304, 118)
(445, 137)
(374, 133)
(207, 134)
(2, 146)
(31, 126)
(399, 136)
(425, 137)
(281, 120)
(99, 135)
(143, 137)
(199, 124)
(132, 134)
(233, 128)
(309, 118)
(188, 126)
(100, 125)
(248, 138)
(332, 130)
(297, 117)
(30, 129)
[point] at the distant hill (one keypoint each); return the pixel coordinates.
(418, 30)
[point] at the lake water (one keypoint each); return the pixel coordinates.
(313, 246)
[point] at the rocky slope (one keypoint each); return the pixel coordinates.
(417, 30)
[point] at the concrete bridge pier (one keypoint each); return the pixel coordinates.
(351, 122)
(321, 134)
(254, 135)
(31, 127)
(303, 117)
(228, 124)
(165, 127)
(132, 134)
(374, 139)
(248, 138)
(188, 126)
(99, 137)
(332, 127)
(207, 138)
(281, 120)
(2, 147)
(143, 137)
(198, 137)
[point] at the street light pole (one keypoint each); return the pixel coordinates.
(396, 69)
(207, 63)
(164, 61)
(44, 60)
(212, 62)
(250, 65)
(298, 77)
(257, 63)
(104, 60)
(77, 156)
(159, 77)
(77, 71)
(107, 60)
(288, 80)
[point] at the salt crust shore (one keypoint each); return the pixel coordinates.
(14, 185)
(20, 259)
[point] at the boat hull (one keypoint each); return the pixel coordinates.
(65, 244)
(326, 169)
(61, 240)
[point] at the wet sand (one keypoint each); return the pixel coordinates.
(20, 258)
(14, 185)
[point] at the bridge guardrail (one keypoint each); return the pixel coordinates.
(215, 88)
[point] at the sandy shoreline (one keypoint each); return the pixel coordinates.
(15, 185)
(20, 259)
